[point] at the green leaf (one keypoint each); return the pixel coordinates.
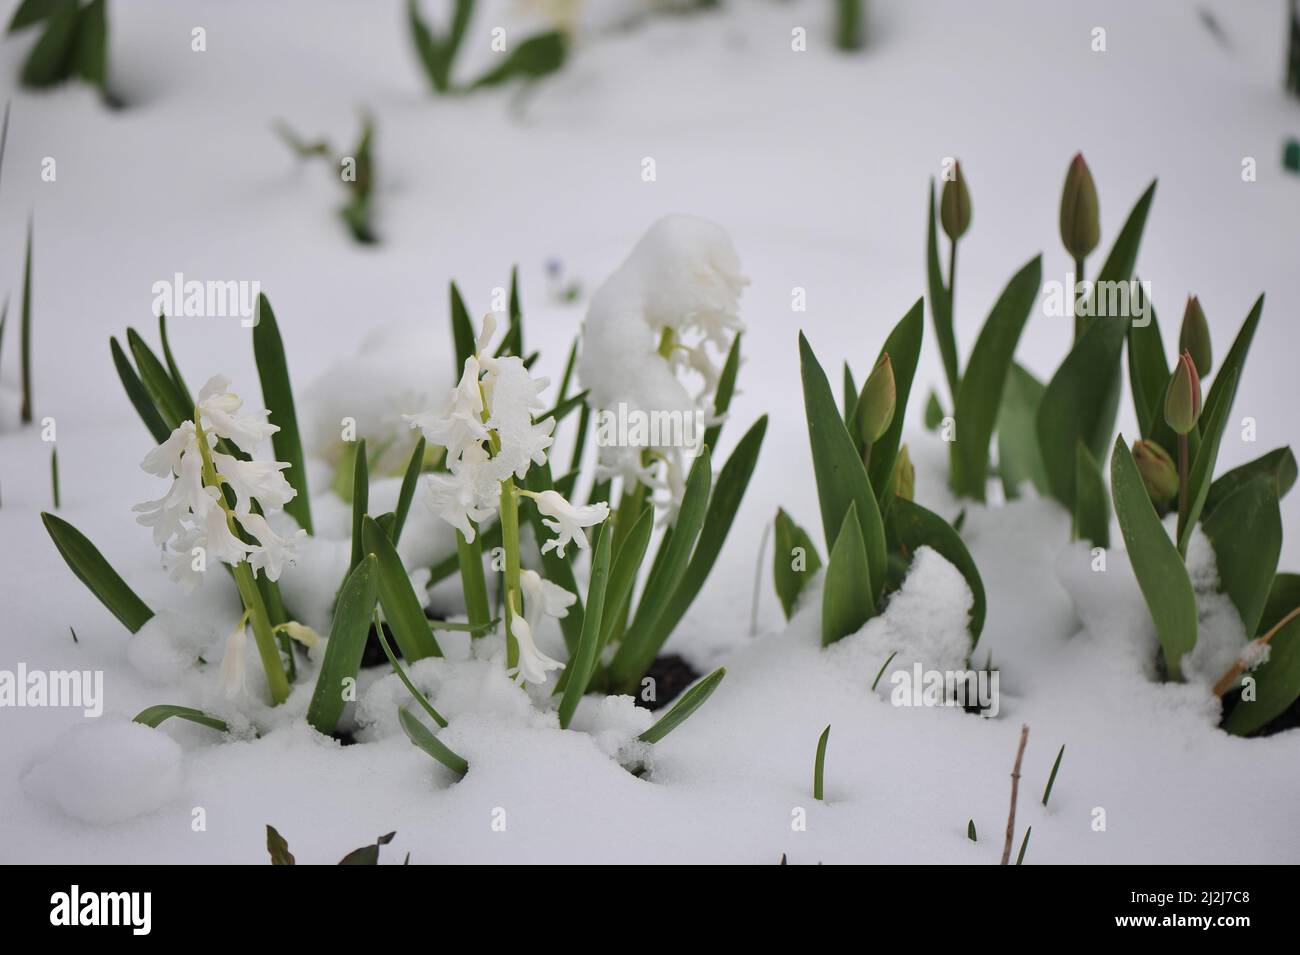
(686, 704)
(1024, 844)
(1246, 533)
(1156, 562)
(1278, 465)
(406, 680)
(138, 395)
(1019, 459)
(904, 349)
(52, 58)
(790, 582)
(622, 578)
(583, 663)
(534, 58)
(1148, 373)
(423, 737)
(25, 332)
(402, 609)
(841, 478)
(819, 765)
(173, 369)
(407, 493)
(277, 395)
(1074, 406)
(1051, 780)
(723, 393)
(158, 382)
(1201, 472)
(367, 855)
(980, 394)
(940, 305)
(1277, 681)
(91, 54)
(1224, 388)
(912, 526)
(970, 830)
(278, 848)
(1091, 503)
(563, 408)
(934, 414)
(360, 502)
(97, 574)
(847, 601)
(462, 331)
(33, 11)
(155, 715)
(515, 336)
(347, 643)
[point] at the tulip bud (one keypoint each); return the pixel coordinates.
(1080, 219)
(1195, 336)
(902, 480)
(1183, 401)
(954, 205)
(875, 410)
(1159, 473)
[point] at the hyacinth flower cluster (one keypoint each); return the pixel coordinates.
(217, 508)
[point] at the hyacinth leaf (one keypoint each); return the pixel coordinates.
(1020, 461)
(173, 368)
(157, 382)
(1278, 466)
(903, 346)
(980, 394)
(563, 408)
(970, 831)
(724, 502)
(583, 663)
(360, 502)
(1051, 779)
(626, 563)
(85, 560)
(1224, 388)
(846, 596)
(722, 395)
(1201, 473)
(1024, 844)
(912, 526)
(154, 716)
(486, 538)
(1073, 408)
(534, 58)
(1246, 533)
(686, 704)
(641, 643)
(424, 738)
(402, 608)
(793, 546)
(1091, 503)
(25, 333)
(514, 342)
(277, 395)
(401, 675)
(1148, 373)
(940, 303)
(410, 479)
(841, 479)
(50, 59)
(347, 643)
(437, 56)
(138, 394)
(1157, 564)
(277, 847)
(819, 765)
(462, 331)
(1277, 680)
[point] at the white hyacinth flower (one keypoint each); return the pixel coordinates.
(221, 407)
(232, 664)
(458, 423)
(271, 552)
(255, 480)
(453, 499)
(533, 663)
(566, 520)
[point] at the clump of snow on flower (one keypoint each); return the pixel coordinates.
(108, 771)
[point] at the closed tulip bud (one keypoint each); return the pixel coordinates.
(902, 482)
(1183, 402)
(1195, 336)
(1080, 218)
(954, 205)
(875, 410)
(1159, 473)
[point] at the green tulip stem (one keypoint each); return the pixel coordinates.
(1078, 280)
(1182, 490)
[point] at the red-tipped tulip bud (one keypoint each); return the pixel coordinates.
(902, 482)
(954, 205)
(1080, 218)
(1183, 402)
(1195, 336)
(1159, 473)
(875, 411)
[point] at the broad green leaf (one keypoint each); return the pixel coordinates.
(97, 574)
(1091, 503)
(158, 383)
(841, 478)
(367, 855)
(469, 560)
(277, 395)
(404, 497)
(153, 716)
(940, 304)
(1148, 373)
(347, 642)
(1277, 681)
(138, 395)
(790, 537)
(904, 349)
(403, 611)
(1156, 562)
(934, 414)
(52, 59)
(847, 601)
(532, 59)
(91, 53)
(360, 503)
(33, 11)
(686, 704)
(424, 738)
(980, 394)
(723, 393)
(912, 526)
(1226, 379)
(819, 765)
(1201, 472)
(1278, 465)
(1019, 459)
(850, 396)
(583, 663)
(1246, 532)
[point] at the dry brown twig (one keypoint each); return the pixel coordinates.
(1015, 789)
(1233, 673)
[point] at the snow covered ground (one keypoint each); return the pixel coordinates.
(817, 164)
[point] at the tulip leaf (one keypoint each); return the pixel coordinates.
(1091, 503)
(1224, 388)
(97, 574)
(912, 526)
(583, 663)
(154, 716)
(940, 304)
(91, 53)
(1201, 472)
(138, 394)
(1156, 562)
(349, 629)
(686, 704)
(403, 611)
(1019, 459)
(982, 384)
(414, 467)
(424, 738)
(1148, 373)
(1279, 465)
(1246, 533)
(277, 395)
(934, 413)
(792, 545)
(904, 349)
(51, 60)
(847, 601)
(1277, 680)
